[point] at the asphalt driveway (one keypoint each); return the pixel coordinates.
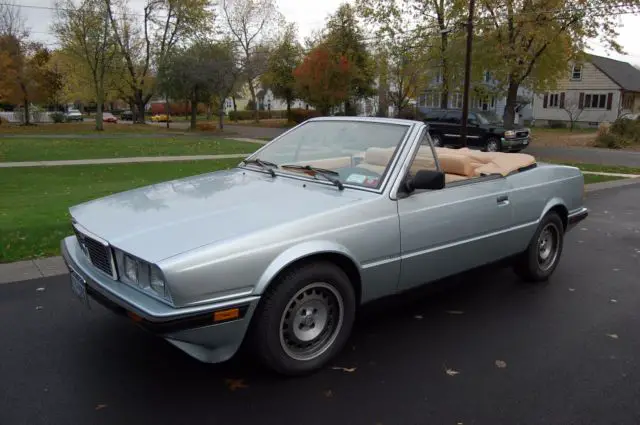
(481, 348)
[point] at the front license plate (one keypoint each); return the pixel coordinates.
(79, 287)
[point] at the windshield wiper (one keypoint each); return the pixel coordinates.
(327, 174)
(267, 165)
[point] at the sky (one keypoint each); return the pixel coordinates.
(310, 15)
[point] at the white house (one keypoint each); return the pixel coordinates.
(595, 90)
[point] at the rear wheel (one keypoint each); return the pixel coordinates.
(304, 318)
(542, 256)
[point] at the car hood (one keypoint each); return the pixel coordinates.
(158, 221)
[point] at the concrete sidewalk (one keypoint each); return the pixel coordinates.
(118, 160)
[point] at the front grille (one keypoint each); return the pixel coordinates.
(522, 133)
(98, 253)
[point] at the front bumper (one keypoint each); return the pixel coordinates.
(515, 144)
(192, 329)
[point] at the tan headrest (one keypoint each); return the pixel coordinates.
(456, 164)
(378, 156)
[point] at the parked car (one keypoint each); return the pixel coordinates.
(284, 248)
(73, 115)
(160, 118)
(485, 130)
(126, 115)
(109, 117)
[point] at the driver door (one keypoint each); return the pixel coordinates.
(462, 226)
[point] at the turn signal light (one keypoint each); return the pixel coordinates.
(134, 316)
(222, 315)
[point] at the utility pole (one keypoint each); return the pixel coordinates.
(467, 75)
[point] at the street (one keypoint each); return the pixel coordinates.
(481, 348)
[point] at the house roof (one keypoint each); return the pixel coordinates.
(622, 73)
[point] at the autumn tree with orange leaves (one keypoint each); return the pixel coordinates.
(323, 80)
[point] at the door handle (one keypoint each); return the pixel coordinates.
(502, 200)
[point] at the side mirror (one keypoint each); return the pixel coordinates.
(426, 179)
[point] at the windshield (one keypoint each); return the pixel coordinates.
(359, 152)
(486, 117)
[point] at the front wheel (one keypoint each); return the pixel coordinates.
(542, 256)
(493, 145)
(304, 318)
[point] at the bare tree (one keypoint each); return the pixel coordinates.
(84, 33)
(147, 42)
(252, 23)
(573, 108)
(12, 23)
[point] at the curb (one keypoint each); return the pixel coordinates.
(54, 266)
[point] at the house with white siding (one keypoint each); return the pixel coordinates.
(483, 96)
(595, 90)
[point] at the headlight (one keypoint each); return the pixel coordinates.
(156, 281)
(141, 274)
(130, 268)
(509, 133)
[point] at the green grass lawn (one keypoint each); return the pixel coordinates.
(84, 128)
(594, 178)
(34, 202)
(41, 149)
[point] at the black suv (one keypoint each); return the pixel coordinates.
(485, 130)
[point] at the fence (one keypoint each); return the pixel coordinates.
(18, 117)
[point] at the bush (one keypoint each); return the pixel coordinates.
(263, 115)
(557, 124)
(301, 115)
(611, 141)
(626, 129)
(251, 105)
(206, 126)
(57, 117)
(410, 114)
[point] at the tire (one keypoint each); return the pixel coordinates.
(437, 140)
(304, 319)
(492, 145)
(541, 258)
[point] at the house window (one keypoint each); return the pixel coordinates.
(456, 100)
(595, 101)
(627, 101)
(431, 100)
(439, 76)
(576, 72)
(487, 77)
(554, 100)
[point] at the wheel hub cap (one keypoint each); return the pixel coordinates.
(311, 321)
(548, 246)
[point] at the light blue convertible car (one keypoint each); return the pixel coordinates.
(279, 252)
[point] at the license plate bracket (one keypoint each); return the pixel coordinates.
(79, 287)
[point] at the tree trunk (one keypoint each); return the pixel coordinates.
(209, 111)
(444, 98)
(235, 107)
(194, 109)
(289, 110)
(510, 108)
(221, 118)
(27, 118)
(99, 107)
(168, 108)
(141, 104)
(256, 114)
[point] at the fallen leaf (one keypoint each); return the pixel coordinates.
(572, 289)
(328, 393)
(613, 336)
(451, 372)
(345, 369)
(612, 301)
(501, 364)
(38, 307)
(100, 406)
(41, 289)
(580, 241)
(455, 312)
(418, 316)
(616, 270)
(583, 228)
(235, 384)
